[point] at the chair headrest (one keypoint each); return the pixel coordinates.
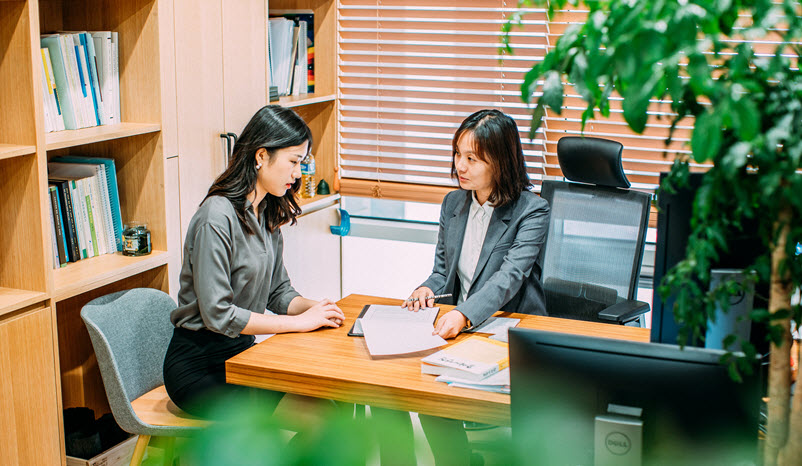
(592, 160)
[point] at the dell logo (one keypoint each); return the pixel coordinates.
(617, 443)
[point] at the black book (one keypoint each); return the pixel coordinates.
(59, 225)
(65, 204)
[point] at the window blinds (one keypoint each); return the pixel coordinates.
(409, 73)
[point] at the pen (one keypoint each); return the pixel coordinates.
(447, 295)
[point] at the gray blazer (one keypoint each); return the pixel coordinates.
(508, 273)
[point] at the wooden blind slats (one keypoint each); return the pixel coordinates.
(410, 71)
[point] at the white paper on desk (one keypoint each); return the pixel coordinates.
(398, 314)
(384, 337)
(263, 337)
(496, 325)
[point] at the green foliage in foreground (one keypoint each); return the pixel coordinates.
(690, 55)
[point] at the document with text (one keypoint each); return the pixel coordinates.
(392, 330)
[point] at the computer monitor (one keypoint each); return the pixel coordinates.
(673, 229)
(692, 411)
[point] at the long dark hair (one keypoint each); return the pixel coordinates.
(496, 142)
(272, 128)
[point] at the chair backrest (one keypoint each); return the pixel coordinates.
(597, 231)
(130, 331)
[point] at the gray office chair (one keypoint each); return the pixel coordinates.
(597, 232)
(130, 331)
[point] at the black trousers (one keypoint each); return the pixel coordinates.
(195, 373)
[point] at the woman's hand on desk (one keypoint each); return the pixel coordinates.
(324, 313)
(418, 299)
(450, 324)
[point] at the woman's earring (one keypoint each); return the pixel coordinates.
(259, 165)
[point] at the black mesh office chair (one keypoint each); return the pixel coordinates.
(596, 235)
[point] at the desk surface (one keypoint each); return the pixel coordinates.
(329, 364)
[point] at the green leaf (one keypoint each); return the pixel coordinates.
(746, 118)
(699, 72)
(553, 91)
(736, 158)
(537, 118)
(530, 83)
(636, 101)
(706, 138)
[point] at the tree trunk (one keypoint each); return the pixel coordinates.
(791, 453)
(780, 360)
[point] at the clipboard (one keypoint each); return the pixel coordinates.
(352, 332)
(358, 333)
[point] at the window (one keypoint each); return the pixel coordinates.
(411, 71)
(408, 76)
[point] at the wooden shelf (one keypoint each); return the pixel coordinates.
(88, 274)
(12, 299)
(304, 99)
(77, 137)
(317, 202)
(13, 150)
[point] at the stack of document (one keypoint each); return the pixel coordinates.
(392, 330)
(476, 362)
(498, 382)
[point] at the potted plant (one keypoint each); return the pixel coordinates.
(747, 107)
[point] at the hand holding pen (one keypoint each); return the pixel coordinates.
(422, 297)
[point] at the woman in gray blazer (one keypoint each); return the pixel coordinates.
(488, 258)
(492, 230)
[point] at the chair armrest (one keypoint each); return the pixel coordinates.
(624, 311)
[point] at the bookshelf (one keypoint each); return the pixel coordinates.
(15, 150)
(71, 138)
(305, 99)
(42, 339)
(319, 109)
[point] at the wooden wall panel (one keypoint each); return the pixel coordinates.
(29, 408)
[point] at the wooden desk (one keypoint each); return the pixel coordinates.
(329, 364)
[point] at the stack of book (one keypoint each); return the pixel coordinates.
(291, 51)
(80, 79)
(476, 362)
(84, 208)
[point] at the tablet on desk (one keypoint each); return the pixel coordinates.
(392, 313)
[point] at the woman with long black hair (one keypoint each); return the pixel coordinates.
(233, 268)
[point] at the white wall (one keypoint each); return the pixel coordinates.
(382, 267)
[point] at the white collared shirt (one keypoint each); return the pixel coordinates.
(475, 232)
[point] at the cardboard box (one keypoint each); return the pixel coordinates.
(118, 455)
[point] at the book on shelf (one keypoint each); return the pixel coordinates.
(87, 188)
(110, 197)
(105, 71)
(53, 44)
(115, 75)
(291, 51)
(56, 259)
(473, 359)
(53, 119)
(84, 79)
(68, 216)
(58, 227)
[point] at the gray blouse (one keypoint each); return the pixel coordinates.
(227, 273)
